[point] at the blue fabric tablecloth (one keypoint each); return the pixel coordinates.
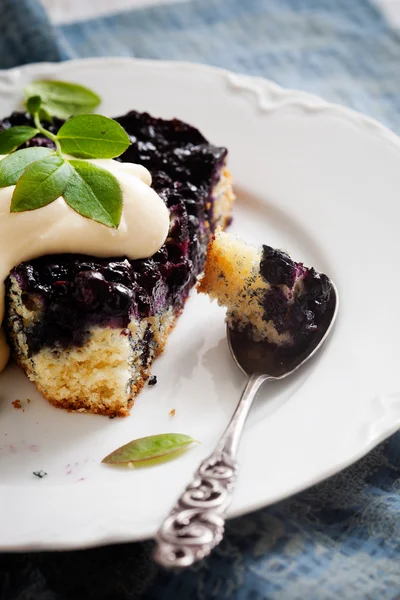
(340, 539)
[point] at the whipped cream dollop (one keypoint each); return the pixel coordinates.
(58, 229)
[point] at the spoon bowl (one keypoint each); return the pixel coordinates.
(262, 358)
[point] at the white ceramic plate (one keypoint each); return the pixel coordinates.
(317, 179)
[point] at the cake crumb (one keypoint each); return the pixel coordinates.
(153, 380)
(40, 474)
(172, 412)
(17, 404)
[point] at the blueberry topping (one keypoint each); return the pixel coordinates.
(74, 292)
(276, 267)
(300, 314)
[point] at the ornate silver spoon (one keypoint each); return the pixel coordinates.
(196, 523)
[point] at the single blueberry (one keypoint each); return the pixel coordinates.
(119, 300)
(317, 286)
(148, 275)
(179, 275)
(90, 289)
(79, 265)
(276, 267)
(118, 272)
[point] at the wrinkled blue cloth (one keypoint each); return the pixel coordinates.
(340, 539)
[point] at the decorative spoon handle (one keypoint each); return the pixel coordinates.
(196, 523)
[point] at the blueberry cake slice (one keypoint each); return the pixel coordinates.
(85, 330)
(266, 293)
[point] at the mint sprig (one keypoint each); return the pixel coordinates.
(41, 175)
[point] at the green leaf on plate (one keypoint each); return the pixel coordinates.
(164, 445)
(41, 183)
(12, 166)
(93, 136)
(33, 104)
(94, 193)
(13, 137)
(62, 99)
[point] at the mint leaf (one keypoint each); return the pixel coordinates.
(13, 137)
(94, 193)
(149, 448)
(12, 166)
(93, 136)
(63, 99)
(41, 183)
(33, 104)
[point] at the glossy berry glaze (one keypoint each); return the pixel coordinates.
(75, 292)
(309, 294)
